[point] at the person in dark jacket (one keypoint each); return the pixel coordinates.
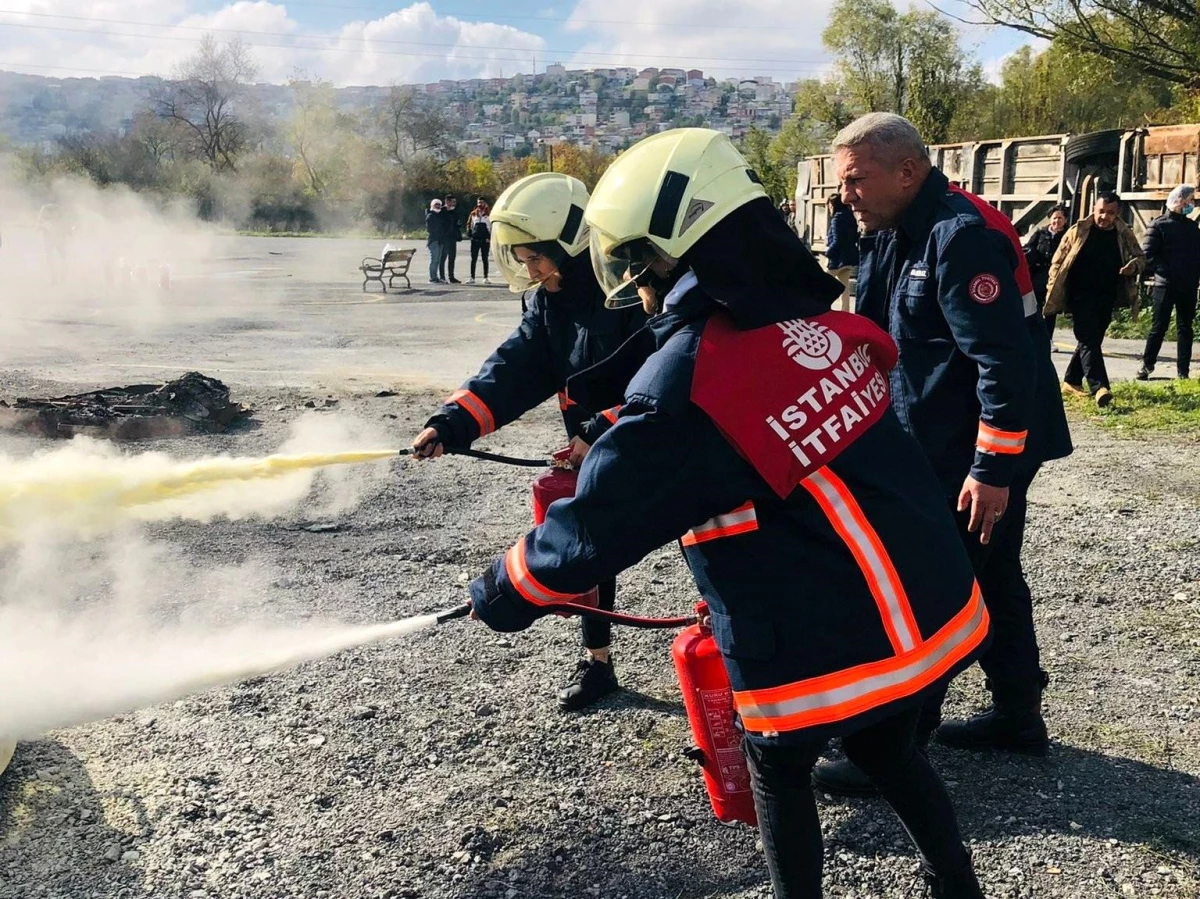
(540, 240)
(479, 230)
(944, 272)
(838, 590)
(841, 244)
(1039, 253)
(435, 229)
(451, 235)
(1172, 247)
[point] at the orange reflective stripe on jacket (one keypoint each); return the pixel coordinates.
(477, 409)
(611, 414)
(844, 694)
(993, 440)
(850, 523)
(564, 401)
(525, 583)
(741, 520)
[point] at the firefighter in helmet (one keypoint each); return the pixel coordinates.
(540, 241)
(757, 432)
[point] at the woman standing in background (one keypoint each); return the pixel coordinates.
(1039, 253)
(479, 229)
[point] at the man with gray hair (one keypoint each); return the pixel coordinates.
(1172, 248)
(945, 274)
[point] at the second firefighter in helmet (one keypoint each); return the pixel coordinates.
(539, 240)
(840, 593)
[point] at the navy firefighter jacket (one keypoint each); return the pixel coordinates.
(975, 384)
(560, 334)
(833, 601)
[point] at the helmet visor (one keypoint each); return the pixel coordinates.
(622, 269)
(506, 239)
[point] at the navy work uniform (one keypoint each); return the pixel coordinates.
(560, 334)
(839, 591)
(975, 386)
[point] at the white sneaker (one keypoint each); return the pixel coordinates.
(486, 281)
(470, 280)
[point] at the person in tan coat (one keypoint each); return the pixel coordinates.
(1095, 269)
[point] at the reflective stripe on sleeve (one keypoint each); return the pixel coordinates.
(1031, 303)
(741, 520)
(611, 414)
(564, 401)
(850, 523)
(477, 409)
(993, 440)
(844, 694)
(525, 583)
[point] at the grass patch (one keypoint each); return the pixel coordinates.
(1138, 407)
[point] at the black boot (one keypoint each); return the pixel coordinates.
(1009, 728)
(592, 681)
(841, 777)
(961, 884)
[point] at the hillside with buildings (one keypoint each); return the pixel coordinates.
(606, 109)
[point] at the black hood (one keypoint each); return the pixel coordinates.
(755, 266)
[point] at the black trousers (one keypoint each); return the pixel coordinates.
(1012, 662)
(887, 753)
(449, 253)
(598, 634)
(1183, 301)
(480, 248)
(1091, 317)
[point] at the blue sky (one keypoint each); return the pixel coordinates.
(371, 42)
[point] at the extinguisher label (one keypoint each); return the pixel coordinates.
(726, 740)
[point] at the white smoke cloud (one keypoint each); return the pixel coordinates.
(96, 618)
(89, 487)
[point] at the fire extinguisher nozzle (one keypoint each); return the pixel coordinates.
(457, 612)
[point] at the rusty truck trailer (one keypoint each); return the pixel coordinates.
(1025, 176)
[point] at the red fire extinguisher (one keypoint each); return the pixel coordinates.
(708, 699)
(554, 484)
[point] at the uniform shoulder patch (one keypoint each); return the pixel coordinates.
(984, 288)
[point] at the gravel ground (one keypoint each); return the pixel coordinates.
(438, 765)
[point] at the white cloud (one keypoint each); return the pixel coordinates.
(413, 44)
(779, 38)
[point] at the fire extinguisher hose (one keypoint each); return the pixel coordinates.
(488, 457)
(572, 608)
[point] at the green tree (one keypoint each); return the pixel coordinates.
(865, 35)
(1063, 89)
(825, 102)
(908, 63)
(756, 147)
(939, 77)
(1158, 38)
(318, 135)
(797, 139)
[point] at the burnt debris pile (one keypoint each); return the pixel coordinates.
(193, 403)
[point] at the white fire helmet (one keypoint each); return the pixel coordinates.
(546, 208)
(658, 198)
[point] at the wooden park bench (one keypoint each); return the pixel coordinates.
(393, 265)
